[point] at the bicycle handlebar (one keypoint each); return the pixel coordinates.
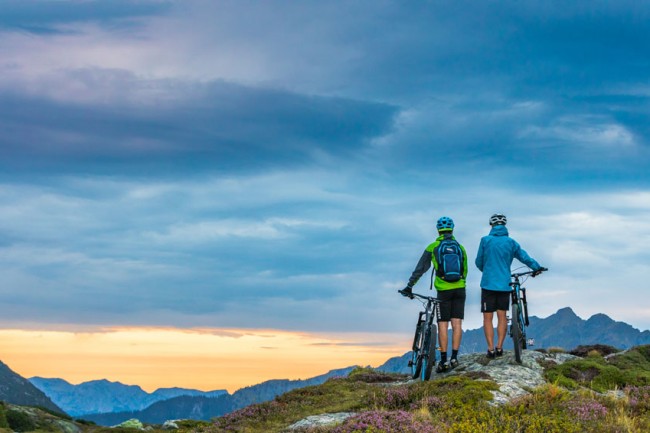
(531, 273)
(417, 295)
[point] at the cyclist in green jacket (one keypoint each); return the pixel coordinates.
(450, 267)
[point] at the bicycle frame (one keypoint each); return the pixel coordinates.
(423, 357)
(519, 318)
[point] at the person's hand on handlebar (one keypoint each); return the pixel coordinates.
(406, 291)
(539, 271)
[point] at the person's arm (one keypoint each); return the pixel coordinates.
(523, 257)
(479, 257)
(421, 268)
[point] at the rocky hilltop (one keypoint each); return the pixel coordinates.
(513, 379)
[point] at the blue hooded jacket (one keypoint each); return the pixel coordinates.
(494, 258)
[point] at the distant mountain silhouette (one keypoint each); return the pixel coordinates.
(204, 408)
(563, 329)
(16, 389)
(566, 330)
(103, 396)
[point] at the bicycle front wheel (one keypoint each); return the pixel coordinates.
(516, 332)
(416, 354)
(429, 351)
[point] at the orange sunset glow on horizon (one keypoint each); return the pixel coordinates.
(204, 359)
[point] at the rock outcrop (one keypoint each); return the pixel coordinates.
(321, 420)
(514, 379)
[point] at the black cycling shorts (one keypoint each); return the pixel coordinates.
(452, 304)
(493, 300)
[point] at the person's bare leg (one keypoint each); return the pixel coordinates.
(502, 327)
(456, 333)
(488, 329)
(443, 328)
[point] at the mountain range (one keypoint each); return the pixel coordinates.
(564, 329)
(204, 408)
(109, 403)
(103, 396)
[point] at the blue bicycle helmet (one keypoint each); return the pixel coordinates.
(445, 224)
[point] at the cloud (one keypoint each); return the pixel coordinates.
(225, 126)
(281, 165)
(589, 134)
(45, 17)
(290, 250)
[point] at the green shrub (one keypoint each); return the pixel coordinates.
(19, 421)
(636, 359)
(370, 375)
(595, 373)
(191, 424)
(385, 422)
(458, 390)
(3, 415)
(603, 349)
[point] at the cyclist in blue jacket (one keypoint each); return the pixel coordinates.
(494, 258)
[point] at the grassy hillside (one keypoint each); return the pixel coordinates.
(612, 396)
(599, 392)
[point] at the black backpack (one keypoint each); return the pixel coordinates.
(449, 256)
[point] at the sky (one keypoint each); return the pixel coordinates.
(188, 188)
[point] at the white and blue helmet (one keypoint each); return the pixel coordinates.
(498, 219)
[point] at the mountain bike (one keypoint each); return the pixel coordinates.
(423, 357)
(519, 318)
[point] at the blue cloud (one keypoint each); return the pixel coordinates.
(44, 17)
(222, 127)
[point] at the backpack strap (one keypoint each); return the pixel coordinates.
(435, 256)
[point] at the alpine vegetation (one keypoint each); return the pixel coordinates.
(549, 392)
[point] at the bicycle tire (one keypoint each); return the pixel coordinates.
(515, 332)
(524, 322)
(524, 304)
(416, 355)
(430, 350)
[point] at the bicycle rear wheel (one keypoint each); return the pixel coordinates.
(429, 351)
(516, 332)
(416, 355)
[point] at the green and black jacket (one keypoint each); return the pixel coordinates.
(428, 258)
